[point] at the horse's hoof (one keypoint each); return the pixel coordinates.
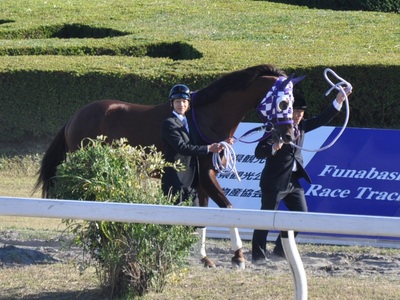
(239, 265)
(208, 263)
(238, 261)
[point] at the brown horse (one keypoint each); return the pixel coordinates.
(216, 112)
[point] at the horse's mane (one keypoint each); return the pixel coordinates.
(237, 80)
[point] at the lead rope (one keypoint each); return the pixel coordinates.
(230, 155)
(338, 87)
(230, 161)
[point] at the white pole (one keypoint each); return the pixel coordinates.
(296, 265)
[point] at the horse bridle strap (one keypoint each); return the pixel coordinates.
(193, 95)
(270, 108)
(266, 128)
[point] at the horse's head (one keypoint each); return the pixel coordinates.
(276, 109)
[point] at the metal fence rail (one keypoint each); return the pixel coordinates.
(199, 216)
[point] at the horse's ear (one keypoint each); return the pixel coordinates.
(286, 81)
(296, 80)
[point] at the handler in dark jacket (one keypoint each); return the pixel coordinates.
(178, 146)
(283, 169)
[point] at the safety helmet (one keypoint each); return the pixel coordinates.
(299, 101)
(179, 91)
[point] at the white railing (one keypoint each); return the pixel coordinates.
(218, 217)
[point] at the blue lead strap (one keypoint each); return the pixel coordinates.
(251, 131)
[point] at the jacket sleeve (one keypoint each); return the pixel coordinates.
(264, 149)
(173, 136)
(322, 119)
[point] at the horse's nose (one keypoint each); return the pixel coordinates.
(287, 138)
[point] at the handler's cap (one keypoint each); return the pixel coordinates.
(299, 101)
(179, 91)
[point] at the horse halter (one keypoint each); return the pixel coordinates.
(277, 106)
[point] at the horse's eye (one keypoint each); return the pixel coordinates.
(283, 105)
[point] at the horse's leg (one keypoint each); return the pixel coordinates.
(203, 202)
(211, 187)
(208, 263)
(238, 259)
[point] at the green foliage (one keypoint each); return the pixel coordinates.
(19, 165)
(132, 258)
(370, 106)
(56, 56)
(368, 5)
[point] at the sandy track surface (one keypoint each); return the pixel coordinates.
(319, 263)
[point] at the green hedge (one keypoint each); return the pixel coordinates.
(374, 102)
(56, 56)
(367, 5)
(38, 103)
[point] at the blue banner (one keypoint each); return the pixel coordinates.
(359, 174)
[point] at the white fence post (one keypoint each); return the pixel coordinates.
(296, 265)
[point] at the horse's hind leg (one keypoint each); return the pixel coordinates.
(238, 260)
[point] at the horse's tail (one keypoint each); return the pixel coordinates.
(54, 156)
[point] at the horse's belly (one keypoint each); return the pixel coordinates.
(114, 124)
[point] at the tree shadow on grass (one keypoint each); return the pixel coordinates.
(321, 4)
(11, 255)
(27, 147)
(344, 5)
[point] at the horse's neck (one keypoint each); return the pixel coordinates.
(216, 122)
(219, 119)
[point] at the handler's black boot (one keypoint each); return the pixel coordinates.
(278, 253)
(258, 257)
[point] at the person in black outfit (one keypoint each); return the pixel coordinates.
(283, 169)
(178, 146)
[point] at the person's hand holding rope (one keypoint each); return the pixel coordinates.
(344, 89)
(340, 98)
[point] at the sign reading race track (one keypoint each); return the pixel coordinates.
(359, 174)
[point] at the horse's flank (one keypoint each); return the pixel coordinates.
(140, 124)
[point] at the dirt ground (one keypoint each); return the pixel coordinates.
(14, 253)
(17, 253)
(316, 262)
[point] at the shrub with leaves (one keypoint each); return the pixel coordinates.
(131, 258)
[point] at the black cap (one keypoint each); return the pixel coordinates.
(299, 101)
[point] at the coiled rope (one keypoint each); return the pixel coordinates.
(229, 165)
(339, 87)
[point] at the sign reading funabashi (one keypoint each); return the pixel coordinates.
(359, 174)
